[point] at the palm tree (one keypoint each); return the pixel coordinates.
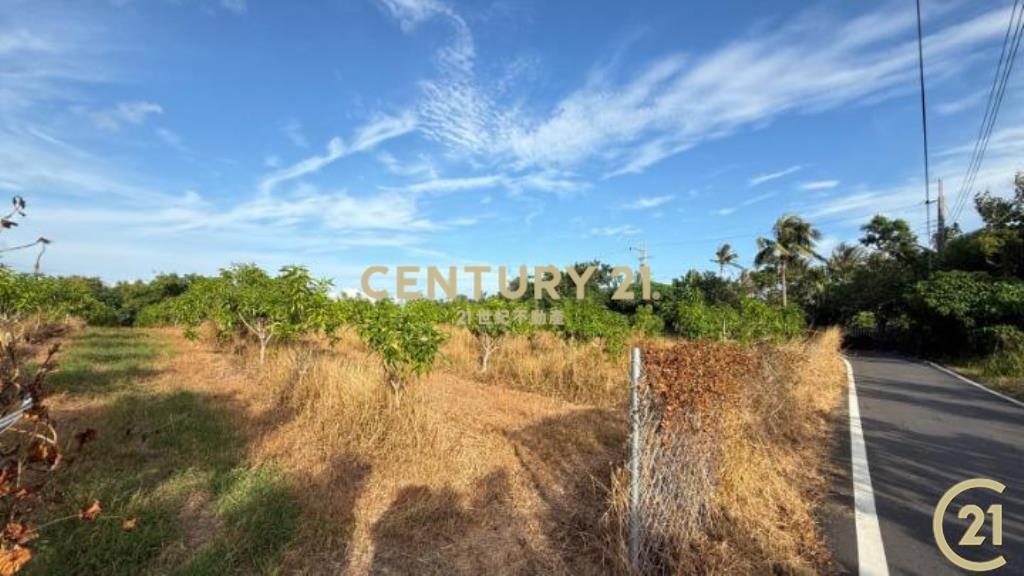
(844, 259)
(793, 242)
(724, 256)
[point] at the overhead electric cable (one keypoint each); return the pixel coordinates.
(1008, 54)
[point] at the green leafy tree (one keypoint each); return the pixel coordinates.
(246, 299)
(585, 320)
(405, 339)
(132, 297)
(892, 238)
(748, 320)
(792, 241)
(53, 298)
(1003, 213)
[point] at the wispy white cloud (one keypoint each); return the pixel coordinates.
(333, 210)
(960, 104)
(410, 13)
(12, 41)
(748, 202)
(114, 118)
(235, 6)
(624, 230)
(762, 178)
(810, 64)
(759, 198)
(421, 167)
(35, 159)
(819, 185)
(380, 129)
(171, 138)
(292, 130)
(435, 185)
(543, 182)
(648, 202)
(906, 198)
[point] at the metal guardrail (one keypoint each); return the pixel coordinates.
(12, 418)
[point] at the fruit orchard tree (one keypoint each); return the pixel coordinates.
(246, 299)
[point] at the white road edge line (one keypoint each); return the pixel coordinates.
(975, 384)
(870, 549)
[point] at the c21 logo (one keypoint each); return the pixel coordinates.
(978, 517)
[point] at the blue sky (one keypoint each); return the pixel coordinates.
(182, 136)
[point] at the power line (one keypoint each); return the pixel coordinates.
(1004, 82)
(1007, 56)
(924, 121)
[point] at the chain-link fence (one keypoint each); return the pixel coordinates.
(672, 477)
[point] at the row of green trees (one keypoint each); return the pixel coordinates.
(245, 300)
(888, 290)
(891, 290)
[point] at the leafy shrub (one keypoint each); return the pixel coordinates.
(647, 322)
(134, 297)
(163, 313)
(585, 320)
(952, 304)
(748, 321)
(405, 339)
(51, 297)
(344, 312)
(996, 339)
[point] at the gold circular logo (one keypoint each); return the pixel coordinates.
(971, 536)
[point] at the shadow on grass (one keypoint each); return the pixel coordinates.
(172, 460)
(439, 531)
(568, 460)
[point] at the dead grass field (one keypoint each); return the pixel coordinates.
(308, 467)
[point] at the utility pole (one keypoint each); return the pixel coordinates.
(940, 239)
(642, 252)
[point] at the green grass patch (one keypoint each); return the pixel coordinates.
(105, 360)
(155, 455)
(259, 516)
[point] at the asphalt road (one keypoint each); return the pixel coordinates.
(924, 431)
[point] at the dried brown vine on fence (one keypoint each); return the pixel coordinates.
(692, 379)
(29, 450)
(684, 410)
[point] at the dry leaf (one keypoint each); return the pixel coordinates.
(129, 524)
(12, 559)
(17, 533)
(91, 511)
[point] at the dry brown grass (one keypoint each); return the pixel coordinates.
(475, 474)
(543, 364)
(459, 478)
(773, 466)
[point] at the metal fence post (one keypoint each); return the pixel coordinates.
(634, 460)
